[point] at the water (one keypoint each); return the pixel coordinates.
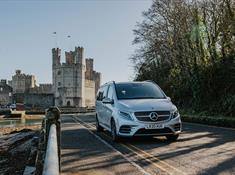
(19, 122)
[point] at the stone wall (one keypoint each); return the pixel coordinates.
(18, 98)
(89, 93)
(91, 74)
(5, 98)
(21, 83)
(97, 79)
(5, 93)
(39, 100)
(42, 89)
(69, 83)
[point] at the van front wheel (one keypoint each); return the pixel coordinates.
(115, 137)
(98, 127)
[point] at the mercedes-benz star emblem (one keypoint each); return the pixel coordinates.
(153, 116)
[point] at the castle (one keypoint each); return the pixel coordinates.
(74, 82)
(21, 83)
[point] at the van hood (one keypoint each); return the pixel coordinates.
(134, 105)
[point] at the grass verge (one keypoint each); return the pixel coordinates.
(210, 120)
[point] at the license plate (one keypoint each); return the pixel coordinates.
(154, 126)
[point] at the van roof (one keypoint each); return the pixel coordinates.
(127, 82)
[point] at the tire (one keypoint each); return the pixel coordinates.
(98, 127)
(172, 138)
(115, 137)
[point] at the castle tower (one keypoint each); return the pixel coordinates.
(80, 73)
(79, 55)
(91, 74)
(56, 53)
(75, 81)
(69, 78)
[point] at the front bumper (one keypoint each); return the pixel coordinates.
(137, 128)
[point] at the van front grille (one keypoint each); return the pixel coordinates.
(145, 116)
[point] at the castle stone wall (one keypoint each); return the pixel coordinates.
(21, 83)
(90, 93)
(39, 100)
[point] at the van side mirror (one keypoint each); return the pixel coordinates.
(108, 101)
(168, 98)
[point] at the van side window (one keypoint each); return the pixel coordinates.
(110, 92)
(100, 94)
(105, 92)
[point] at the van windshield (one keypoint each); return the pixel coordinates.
(138, 91)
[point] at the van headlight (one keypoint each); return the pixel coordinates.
(125, 115)
(174, 114)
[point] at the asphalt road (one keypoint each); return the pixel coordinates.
(200, 149)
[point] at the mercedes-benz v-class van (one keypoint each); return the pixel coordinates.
(136, 109)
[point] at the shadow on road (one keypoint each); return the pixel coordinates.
(203, 149)
(82, 152)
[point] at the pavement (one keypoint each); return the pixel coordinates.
(200, 149)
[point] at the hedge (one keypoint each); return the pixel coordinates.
(209, 120)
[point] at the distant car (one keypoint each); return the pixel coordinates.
(12, 106)
(136, 109)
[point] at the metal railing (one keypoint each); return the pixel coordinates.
(51, 163)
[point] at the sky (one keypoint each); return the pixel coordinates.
(103, 27)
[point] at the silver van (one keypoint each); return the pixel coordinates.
(136, 109)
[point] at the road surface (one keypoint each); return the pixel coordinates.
(200, 149)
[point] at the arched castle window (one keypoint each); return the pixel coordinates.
(59, 72)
